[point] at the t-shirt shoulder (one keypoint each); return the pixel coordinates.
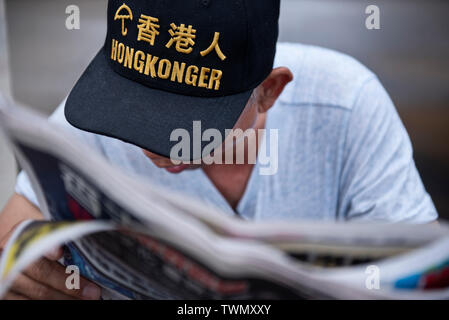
(322, 77)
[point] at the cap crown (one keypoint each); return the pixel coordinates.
(205, 48)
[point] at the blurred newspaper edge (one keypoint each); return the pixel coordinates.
(179, 248)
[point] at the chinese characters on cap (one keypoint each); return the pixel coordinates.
(182, 39)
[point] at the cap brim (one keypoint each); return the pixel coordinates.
(103, 102)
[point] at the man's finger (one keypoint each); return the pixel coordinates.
(53, 275)
(55, 254)
(14, 296)
(35, 290)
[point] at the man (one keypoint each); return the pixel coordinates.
(342, 151)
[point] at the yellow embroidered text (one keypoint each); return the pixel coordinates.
(148, 29)
(215, 46)
(173, 71)
(183, 37)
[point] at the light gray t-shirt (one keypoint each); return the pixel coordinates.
(344, 153)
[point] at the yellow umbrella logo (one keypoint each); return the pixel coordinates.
(123, 13)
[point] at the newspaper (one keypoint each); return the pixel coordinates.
(139, 241)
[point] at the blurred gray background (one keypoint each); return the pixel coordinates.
(410, 54)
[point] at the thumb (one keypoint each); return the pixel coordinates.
(55, 254)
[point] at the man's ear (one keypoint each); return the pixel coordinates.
(270, 90)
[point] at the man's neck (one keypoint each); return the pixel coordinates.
(231, 180)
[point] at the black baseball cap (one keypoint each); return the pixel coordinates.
(168, 63)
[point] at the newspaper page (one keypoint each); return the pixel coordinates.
(166, 247)
(67, 191)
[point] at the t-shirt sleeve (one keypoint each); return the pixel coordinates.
(23, 184)
(23, 187)
(379, 180)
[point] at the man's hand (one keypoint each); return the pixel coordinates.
(46, 280)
